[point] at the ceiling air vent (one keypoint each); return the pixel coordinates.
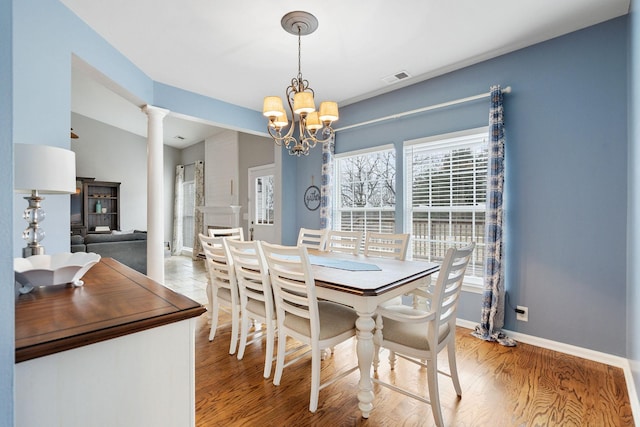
(394, 78)
(181, 138)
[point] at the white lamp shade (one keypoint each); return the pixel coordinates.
(303, 103)
(281, 121)
(50, 170)
(312, 121)
(328, 111)
(272, 106)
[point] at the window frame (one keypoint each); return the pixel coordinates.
(337, 196)
(448, 141)
(264, 200)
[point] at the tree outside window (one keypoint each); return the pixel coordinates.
(366, 193)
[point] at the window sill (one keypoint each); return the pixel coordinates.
(472, 288)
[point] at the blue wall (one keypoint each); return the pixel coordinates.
(47, 36)
(7, 305)
(633, 257)
(566, 156)
(566, 184)
(215, 111)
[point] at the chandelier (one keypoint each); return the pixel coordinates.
(313, 126)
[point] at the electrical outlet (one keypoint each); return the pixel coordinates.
(522, 316)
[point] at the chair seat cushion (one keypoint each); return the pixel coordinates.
(409, 334)
(335, 319)
(257, 307)
(224, 294)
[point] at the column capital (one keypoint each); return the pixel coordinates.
(158, 112)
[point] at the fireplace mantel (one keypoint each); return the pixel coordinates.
(225, 216)
(228, 210)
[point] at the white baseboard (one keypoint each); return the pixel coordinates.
(633, 392)
(596, 356)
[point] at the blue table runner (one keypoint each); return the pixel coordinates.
(342, 264)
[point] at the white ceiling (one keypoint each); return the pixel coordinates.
(236, 51)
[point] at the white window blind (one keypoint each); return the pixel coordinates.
(446, 182)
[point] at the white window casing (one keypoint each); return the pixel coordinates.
(445, 194)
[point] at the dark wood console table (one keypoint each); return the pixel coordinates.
(114, 301)
(130, 337)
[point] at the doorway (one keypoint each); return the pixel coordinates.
(262, 204)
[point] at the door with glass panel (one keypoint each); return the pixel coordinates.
(261, 207)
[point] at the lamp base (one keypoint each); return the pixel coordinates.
(33, 234)
(32, 250)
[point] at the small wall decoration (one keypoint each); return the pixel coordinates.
(312, 198)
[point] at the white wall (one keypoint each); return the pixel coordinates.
(111, 154)
(254, 151)
(192, 153)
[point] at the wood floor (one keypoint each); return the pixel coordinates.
(501, 386)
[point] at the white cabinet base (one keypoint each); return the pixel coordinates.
(142, 379)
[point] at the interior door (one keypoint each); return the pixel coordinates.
(262, 207)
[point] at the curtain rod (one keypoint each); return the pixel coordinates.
(423, 109)
(192, 163)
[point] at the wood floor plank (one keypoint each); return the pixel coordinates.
(501, 386)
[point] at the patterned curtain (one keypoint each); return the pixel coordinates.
(492, 317)
(178, 198)
(198, 217)
(326, 190)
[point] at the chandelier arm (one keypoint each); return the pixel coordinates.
(277, 139)
(328, 131)
(281, 140)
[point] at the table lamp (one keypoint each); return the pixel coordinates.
(41, 169)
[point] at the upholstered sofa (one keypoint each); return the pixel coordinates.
(128, 248)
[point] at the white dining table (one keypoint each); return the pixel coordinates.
(363, 283)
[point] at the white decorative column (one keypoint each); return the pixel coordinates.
(155, 192)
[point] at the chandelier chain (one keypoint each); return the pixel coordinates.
(299, 55)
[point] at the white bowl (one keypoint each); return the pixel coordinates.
(57, 269)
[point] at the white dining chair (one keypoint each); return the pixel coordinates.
(386, 245)
(222, 288)
(318, 324)
(418, 336)
(344, 241)
(312, 239)
(256, 296)
(231, 233)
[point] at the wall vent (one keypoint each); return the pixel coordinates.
(394, 78)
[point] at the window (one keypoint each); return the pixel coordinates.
(188, 214)
(446, 187)
(365, 188)
(264, 200)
